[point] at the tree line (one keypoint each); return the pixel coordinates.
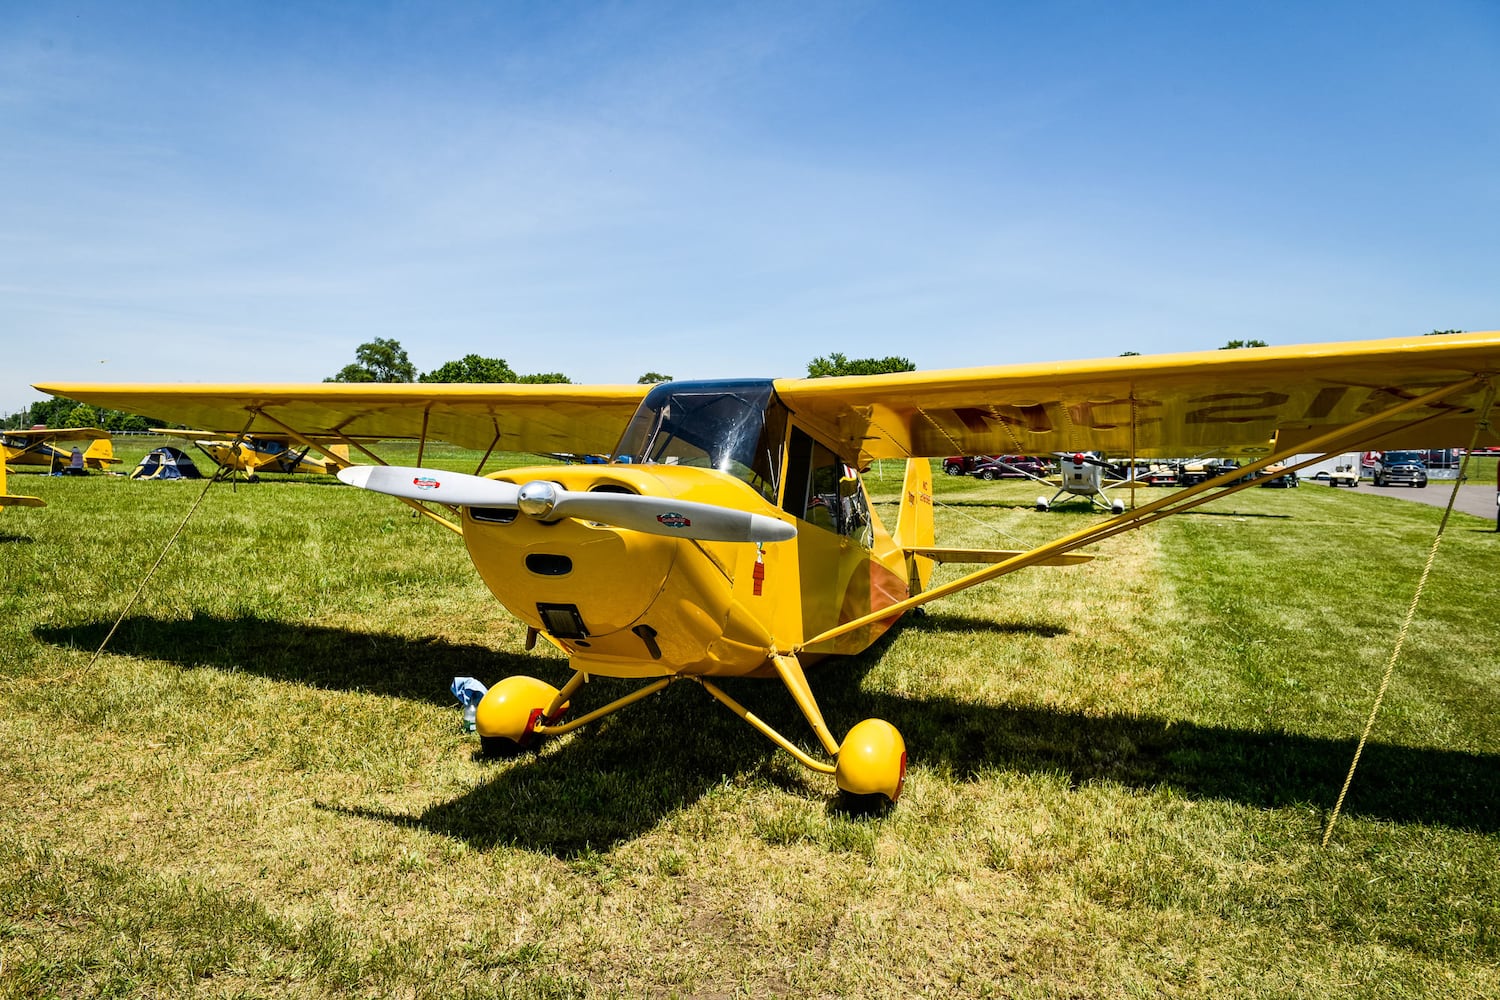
(385, 360)
(59, 411)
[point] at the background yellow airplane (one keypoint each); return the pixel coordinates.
(253, 454)
(38, 446)
(730, 534)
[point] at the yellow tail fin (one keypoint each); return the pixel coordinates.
(914, 528)
(100, 454)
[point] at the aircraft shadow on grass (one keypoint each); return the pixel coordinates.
(933, 621)
(315, 655)
(619, 778)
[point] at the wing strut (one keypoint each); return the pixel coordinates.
(1331, 442)
(343, 438)
(494, 442)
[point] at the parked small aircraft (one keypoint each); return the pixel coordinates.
(38, 446)
(252, 454)
(1083, 474)
(730, 535)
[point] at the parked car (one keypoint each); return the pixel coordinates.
(1194, 473)
(1342, 475)
(996, 466)
(963, 465)
(1012, 467)
(1400, 468)
(1277, 476)
(1163, 474)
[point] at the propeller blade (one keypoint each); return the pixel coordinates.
(1086, 459)
(547, 501)
(457, 488)
(676, 518)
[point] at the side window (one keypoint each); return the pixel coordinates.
(821, 490)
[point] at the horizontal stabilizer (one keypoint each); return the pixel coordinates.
(993, 556)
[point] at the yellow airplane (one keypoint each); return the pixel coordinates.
(38, 446)
(730, 535)
(252, 454)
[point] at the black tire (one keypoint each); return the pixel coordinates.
(988, 475)
(499, 748)
(952, 470)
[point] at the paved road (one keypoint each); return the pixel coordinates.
(1476, 500)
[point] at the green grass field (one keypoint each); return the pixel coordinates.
(1120, 772)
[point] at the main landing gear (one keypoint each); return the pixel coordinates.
(869, 763)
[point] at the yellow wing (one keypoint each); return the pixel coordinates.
(1231, 402)
(506, 417)
(1211, 402)
(50, 434)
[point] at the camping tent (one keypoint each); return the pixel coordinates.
(166, 463)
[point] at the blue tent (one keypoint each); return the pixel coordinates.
(166, 463)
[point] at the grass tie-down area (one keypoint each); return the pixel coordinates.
(1119, 773)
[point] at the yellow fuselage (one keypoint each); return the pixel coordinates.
(627, 604)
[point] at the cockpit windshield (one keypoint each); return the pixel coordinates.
(734, 426)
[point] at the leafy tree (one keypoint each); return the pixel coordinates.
(1439, 333)
(380, 360)
(1234, 344)
(653, 378)
(837, 364)
(546, 378)
(472, 368)
(82, 415)
(51, 412)
(1130, 354)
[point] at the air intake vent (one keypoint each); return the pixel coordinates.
(493, 515)
(546, 564)
(562, 620)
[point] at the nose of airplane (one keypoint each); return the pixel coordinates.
(570, 578)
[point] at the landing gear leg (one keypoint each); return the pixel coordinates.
(870, 763)
(872, 759)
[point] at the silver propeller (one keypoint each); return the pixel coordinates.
(455, 488)
(547, 501)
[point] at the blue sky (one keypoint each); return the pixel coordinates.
(248, 191)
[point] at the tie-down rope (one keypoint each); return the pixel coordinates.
(1411, 611)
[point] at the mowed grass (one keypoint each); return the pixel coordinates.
(1120, 772)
